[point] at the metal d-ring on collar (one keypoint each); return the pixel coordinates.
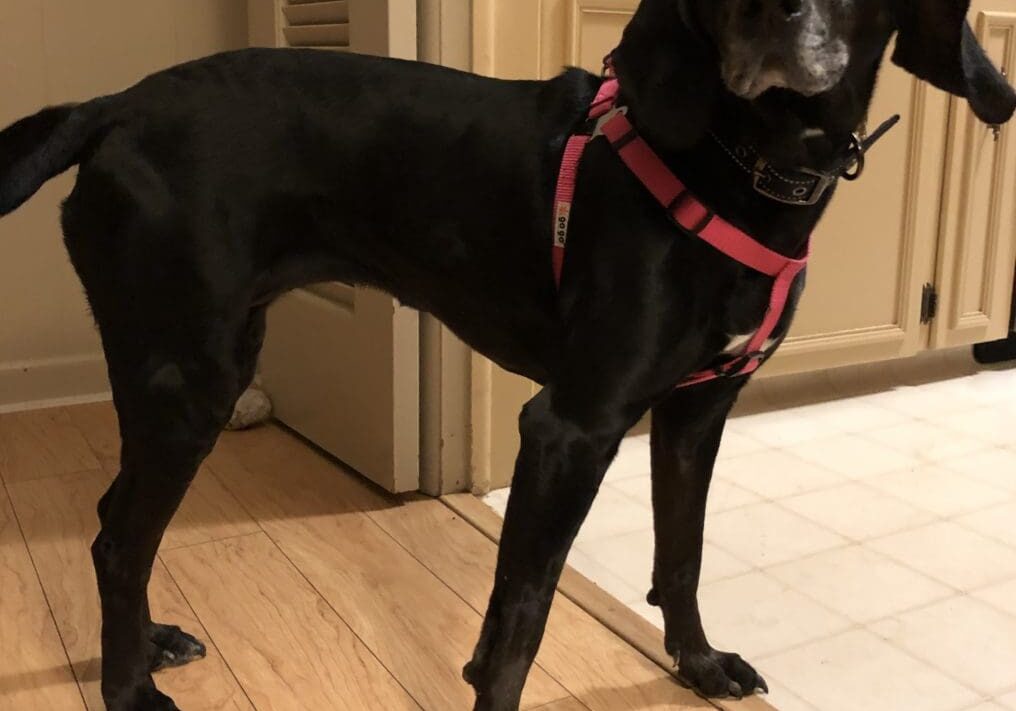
(855, 167)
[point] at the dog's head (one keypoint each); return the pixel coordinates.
(807, 46)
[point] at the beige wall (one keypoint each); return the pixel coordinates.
(65, 50)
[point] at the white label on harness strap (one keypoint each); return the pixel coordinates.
(561, 223)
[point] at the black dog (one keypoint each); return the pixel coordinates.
(209, 189)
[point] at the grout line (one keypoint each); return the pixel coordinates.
(204, 627)
(42, 588)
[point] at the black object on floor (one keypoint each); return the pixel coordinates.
(996, 351)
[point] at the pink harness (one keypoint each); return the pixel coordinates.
(686, 211)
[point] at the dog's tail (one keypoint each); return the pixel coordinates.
(42, 146)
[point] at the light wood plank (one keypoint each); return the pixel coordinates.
(34, 669)
(41, 443)
(97, 423)
(208, 512)
(419, 628)
(608, 674)
(572, 704)
(58, 515)
(287, 646)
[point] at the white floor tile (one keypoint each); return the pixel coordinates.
(989, 424)
(853, 456)
(944, 634)
(998, 522)
(859, 583)
(924, 401)
(986, 387)
(724, 496)
(1000, 595)
(782, 698)
(775, 474)
(951, 554)
(995, 466)
(735, 444)
(856, 670)
(754, 615)
(925, 441)
(764, 534)
(986, 706)
(613, 513)
(717, 564)
(938, 490)
(783, 427)
(632, 460)
(637, 488)
(650, 613)
(858, 512)
(628, 556)
(605, 578)
(856, 415)
(1008, 701)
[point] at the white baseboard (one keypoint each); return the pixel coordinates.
(53, 382)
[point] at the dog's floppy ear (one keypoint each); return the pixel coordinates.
(935, 43)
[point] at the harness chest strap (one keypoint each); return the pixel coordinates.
(686, 211)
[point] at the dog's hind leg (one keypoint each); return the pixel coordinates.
(686, 434)
(563, 457)
(172, 404)
(180, 340)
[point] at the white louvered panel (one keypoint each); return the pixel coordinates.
(310, 23)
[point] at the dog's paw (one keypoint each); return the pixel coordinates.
(173, 647)
(471, 673)
(157, 701)
(145, 697)
(719, 675)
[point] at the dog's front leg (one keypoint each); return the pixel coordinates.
(686, 434)
(557, 474)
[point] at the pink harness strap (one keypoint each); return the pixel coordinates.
(686, 211)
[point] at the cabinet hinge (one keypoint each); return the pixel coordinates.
(929, 303)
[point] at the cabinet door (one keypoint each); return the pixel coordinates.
(978, 246)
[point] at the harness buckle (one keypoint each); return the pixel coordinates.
(607, 117)
(736, 367)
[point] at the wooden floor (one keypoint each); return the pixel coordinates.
(312, 589)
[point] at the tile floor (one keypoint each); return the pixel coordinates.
(862, 552)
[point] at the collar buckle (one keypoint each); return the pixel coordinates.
(802, 195)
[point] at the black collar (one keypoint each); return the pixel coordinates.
(804, 186)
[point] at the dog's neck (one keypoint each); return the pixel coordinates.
(670, 78)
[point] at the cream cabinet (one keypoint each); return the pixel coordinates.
(977, 239)
(932, 223)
